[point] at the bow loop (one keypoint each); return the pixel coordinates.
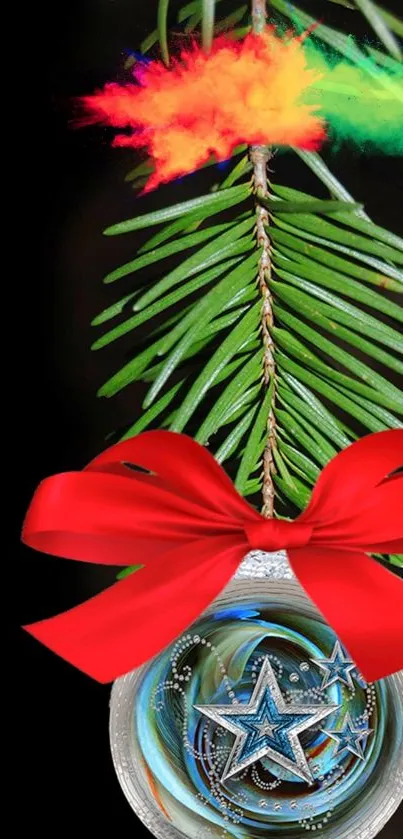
(273, 535)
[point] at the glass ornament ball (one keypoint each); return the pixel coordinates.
(256, 723)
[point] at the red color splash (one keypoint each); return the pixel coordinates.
(241, 92)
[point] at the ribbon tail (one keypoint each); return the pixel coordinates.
(361, 600)
(136, 618)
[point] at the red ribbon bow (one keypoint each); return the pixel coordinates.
(189, 526)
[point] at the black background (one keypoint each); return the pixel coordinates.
(68, 186)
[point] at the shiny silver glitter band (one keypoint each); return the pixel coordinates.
(259, 565)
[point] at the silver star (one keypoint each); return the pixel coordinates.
(349, 738)
(337, 668)
(267, 727)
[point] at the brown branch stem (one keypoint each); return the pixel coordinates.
(260, 156)
(259, 15)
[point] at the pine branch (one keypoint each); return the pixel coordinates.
(329, 363)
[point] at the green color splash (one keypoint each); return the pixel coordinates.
(363, 104)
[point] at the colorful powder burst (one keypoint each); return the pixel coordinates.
(266, 89)
(249, 91)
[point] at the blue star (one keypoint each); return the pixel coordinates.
(349, 738)
(337, 668)
(267, 727)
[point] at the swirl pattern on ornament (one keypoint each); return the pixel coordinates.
(188, 754)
